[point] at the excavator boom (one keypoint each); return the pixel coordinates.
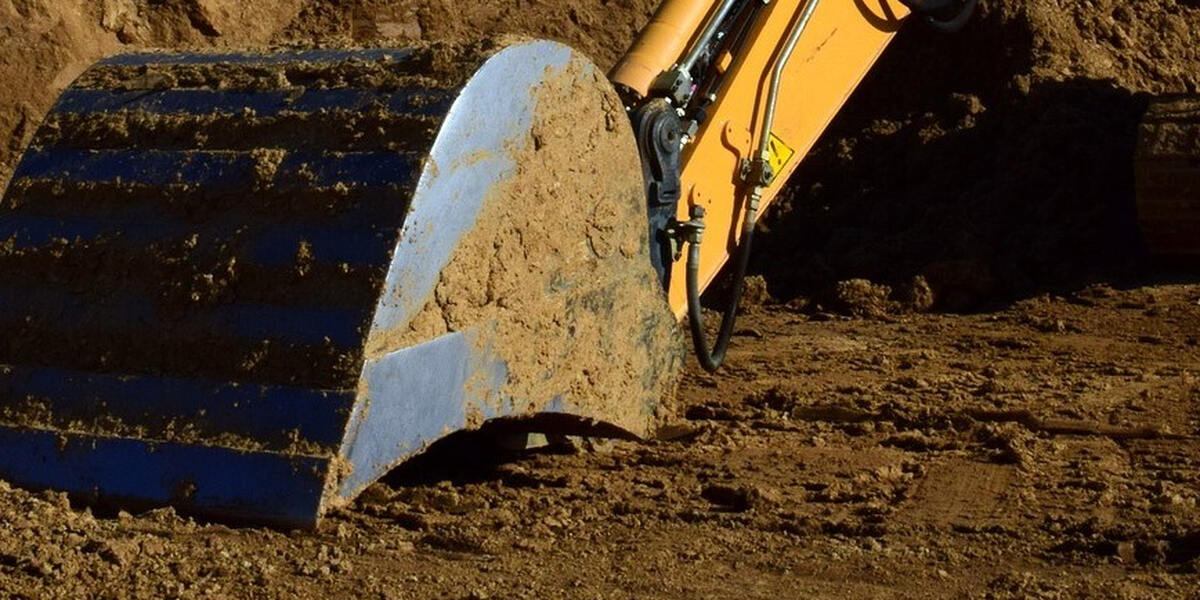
(833, 46)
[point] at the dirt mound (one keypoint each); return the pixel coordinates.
(602, 29)
(997, 162)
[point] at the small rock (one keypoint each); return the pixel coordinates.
(917, 296)
(738, 498)
(861, 298)
(755, 292)
(1127, 552)
(115, 14)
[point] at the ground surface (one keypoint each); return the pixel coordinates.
(1046, 445)
(1049, 450)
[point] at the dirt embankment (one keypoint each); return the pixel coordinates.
(995, 163)
(45, 44)
(601, 29)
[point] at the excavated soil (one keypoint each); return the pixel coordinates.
(994, 164)
(1045, 445)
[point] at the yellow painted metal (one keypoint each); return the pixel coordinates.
(661, 43)
(842, 42)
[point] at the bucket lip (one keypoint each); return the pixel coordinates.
(473, 151)
(224, 484)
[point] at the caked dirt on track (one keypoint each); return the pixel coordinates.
(45, 44)
(1047, 448)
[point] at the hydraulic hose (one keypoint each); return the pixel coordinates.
(934, 10)
(711, 360)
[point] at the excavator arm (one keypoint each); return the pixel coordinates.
(745, 88)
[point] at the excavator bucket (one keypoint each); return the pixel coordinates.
(248, 285)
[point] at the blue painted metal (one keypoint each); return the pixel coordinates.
(264, 104)
(235, 484)
(270, 245)
(342, 327)
(306, 450)
(220, 169)
(293, 57)
(271, 415)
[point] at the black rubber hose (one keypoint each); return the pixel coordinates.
(711, 360)
(929, 8)
(956, 23)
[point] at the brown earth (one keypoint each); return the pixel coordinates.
(996, 163)
(1046, 448)
(1049, 450)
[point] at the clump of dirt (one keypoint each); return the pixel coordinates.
(996, 163)
(860, 298)
(866, 299)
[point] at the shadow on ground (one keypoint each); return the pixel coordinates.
(950, 164)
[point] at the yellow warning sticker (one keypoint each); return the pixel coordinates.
(780, 154)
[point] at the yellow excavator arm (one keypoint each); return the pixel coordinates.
(752, 85)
